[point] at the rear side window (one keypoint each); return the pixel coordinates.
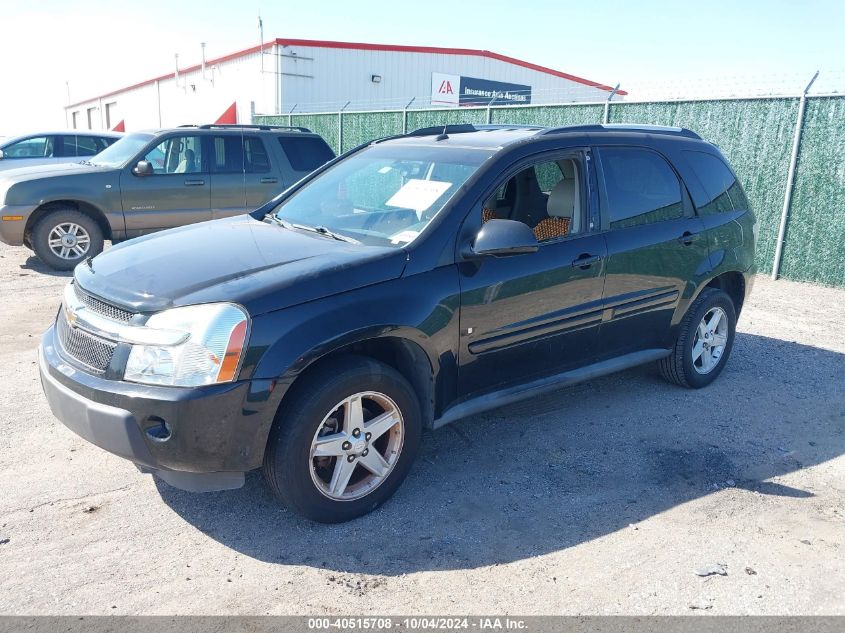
(83, 145)
(723, 191)
(306, 153)
(641, 187)
(235, 155)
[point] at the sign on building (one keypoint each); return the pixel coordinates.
(455, 90)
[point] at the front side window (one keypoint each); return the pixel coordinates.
(306, 153)
(723, 191)
(82, 146)
(37, 147)
(641, 187)
(384, 194)
(122, 151)
(177, 155)
(547, 196)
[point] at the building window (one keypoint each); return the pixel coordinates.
(75, 119)
(91, 118)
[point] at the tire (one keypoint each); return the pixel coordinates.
(311, 412)
(683, 367)
(56, 226)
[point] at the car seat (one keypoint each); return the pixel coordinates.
(563, 206)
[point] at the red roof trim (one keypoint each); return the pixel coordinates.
(361, 46)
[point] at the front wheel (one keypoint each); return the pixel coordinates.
(344, 440)
(65, 237)
(704, 341)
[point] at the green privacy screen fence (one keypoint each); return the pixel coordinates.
(755, 134)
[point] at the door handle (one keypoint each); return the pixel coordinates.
(687, 238)
(269, 181)
(585, 260)
(193, 182)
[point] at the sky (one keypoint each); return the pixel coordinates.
(54, 49)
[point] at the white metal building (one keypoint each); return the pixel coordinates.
(314, 76)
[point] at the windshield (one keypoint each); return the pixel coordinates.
(384, 194)
(122, 151)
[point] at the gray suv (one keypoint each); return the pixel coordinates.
(152, 180)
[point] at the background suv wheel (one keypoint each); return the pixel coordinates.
(63, 238)
(344, 440)
(704, 341)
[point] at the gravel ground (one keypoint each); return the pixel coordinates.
(604, 498)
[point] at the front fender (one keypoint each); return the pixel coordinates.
(422, 308)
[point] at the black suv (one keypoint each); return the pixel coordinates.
(148, 181)
(411, 282)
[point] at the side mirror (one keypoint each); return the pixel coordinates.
(503, 238)
(143, 168)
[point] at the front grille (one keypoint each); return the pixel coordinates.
(93, 352)
(101, 307)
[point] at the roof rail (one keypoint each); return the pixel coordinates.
(505, 126)
(624, 127)
(230, 126)
(466, 128)
(460, 128)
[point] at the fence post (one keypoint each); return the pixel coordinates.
(405, 116)
(606, 118)
(489, 111)
(340, 128)
(790, 177)
(290, 117)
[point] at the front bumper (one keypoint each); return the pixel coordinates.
(213, 435)
(12, 230)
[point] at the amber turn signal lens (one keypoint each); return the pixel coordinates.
(233, 353)
(12, 218)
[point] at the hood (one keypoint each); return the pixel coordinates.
(33, 172)
(30, 185)
(259, 265)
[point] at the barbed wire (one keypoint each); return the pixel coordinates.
(700, 88)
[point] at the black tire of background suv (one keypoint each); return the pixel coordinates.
(678, 367)
(286, 460)
(41, 233)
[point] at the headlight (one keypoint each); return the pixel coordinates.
(211, 353)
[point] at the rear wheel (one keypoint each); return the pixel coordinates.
(65, 237)
(344, 440)
(704, 342)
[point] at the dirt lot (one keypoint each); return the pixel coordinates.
(603, 498)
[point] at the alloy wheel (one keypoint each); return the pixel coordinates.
(710, 340)
(356, 446)
(69, 240)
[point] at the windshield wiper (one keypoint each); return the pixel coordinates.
(86, 162)
(313, 229)
(283, 223)
(324, 231)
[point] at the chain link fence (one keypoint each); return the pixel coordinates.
(757, 134)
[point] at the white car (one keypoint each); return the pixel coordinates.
(52, 147)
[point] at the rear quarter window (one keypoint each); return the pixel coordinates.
(306, 153)
(723, 192)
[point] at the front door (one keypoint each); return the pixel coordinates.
(177, 193)
(537, 314)
(655, 249)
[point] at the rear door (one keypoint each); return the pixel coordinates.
(655, 248)
(177, 193)
(537, 314)
(242, 176)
